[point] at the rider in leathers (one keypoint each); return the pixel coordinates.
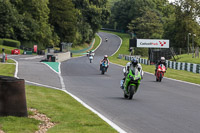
(131, 65)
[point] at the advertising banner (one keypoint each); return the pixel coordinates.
(152, 43)
(35, 48)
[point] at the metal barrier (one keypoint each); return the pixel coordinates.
(190, 67)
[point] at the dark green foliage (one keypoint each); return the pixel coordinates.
(149, 26)
(11, 43)
(91, 14)
(8, 19)
(141, 51)
(63, 18)
(1, 41)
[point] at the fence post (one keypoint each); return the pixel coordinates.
(194, 68)
(188, 67)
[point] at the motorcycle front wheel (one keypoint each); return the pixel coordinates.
(103, 70)
(131, 91)
(160, 78)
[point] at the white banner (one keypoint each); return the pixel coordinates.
(152, 43)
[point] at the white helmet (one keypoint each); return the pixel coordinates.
(162, 59)
(105, 56)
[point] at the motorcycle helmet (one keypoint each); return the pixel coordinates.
(162, 59)
(105, 56)
(134, 61)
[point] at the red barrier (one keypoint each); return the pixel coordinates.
(15, 51)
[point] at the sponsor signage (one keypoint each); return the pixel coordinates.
(152, 43)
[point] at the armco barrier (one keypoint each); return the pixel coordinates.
(190, 67)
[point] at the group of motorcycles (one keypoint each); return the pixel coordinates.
(133, 79)
(103, 65)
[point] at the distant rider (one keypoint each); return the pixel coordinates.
(106, 39)
(91, 53)
(105, 60)
(131, 65)
(162, 61)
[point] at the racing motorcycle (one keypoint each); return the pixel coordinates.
(90, 58)
(104, 67)
(131, 83)
(160, 72)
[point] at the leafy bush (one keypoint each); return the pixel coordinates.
(141, 51)
(1, 41)
(30, 44)
(11, 43)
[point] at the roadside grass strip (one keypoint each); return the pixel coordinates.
(53, 65)
(7, 69)
(9, 49)
(94, 47)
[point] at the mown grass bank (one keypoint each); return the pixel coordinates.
(8, 49)
(171, 73)
(69, 115)
(96, 44)
(188, 59)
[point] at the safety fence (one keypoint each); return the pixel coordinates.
(190, 67)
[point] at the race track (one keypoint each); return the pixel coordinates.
(166, 107)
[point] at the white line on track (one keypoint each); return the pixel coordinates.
(16, 68)
(119, 45)
(99, 43)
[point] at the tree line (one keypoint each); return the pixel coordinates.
(156, 19)
(49, 22)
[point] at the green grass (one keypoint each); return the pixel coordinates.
(7, 69)
(171, 73)
(96, 44)
(8, 49)
(188, 59)
(69, 115)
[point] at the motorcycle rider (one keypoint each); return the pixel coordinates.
(162, 61)
(131, 65)
(106, 60)
(91, 53)
(106, 39)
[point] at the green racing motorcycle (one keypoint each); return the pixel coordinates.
(131, 83)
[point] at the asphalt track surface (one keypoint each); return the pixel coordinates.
(166, 107)
(31, 69)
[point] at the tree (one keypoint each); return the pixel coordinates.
(148, 26)
(8, 19)
(92, 13)
(63, 16)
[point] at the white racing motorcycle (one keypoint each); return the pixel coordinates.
(91, 58)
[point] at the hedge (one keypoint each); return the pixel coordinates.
(1, 41)
(11, 43)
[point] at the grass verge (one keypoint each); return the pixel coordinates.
(8, 49)
(188, 59)
(171, 73)
(96, 44)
